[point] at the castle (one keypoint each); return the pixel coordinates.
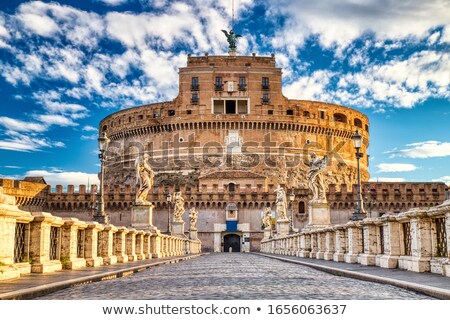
(226, 141)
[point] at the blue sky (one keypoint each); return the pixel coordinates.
(65, 65)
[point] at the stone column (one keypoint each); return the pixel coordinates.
(156, 245)
(40, 242)
(354, 232)
(69, 244)
(147, 245)
(320, 245)
(392, 251)
(341, 243)
(91, 245)
(140, 245)
(305, 245)
(329, 244)
(421, 242)
(367, 258)
(108, 246)
(10, 215)
(131, 244)
(121, 244)
(446, 266)
(314, 245)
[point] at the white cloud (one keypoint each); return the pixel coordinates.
(56, 20)
(55, 119)
(445, 36)
(4, 33)
(12, 167)
(24, 143)
(40, 25)
(89, 137)
(445, 179)
(427, 149)
(89, 128)
(385, 179)
(338, 23)
(113, 3)
(310, 87)
(22, 126)
(396, 167)
(58, 177)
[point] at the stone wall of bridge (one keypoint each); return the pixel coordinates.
(40, 242)
(416, 240)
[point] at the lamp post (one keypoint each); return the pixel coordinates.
(103, 142)
(359, 212)
(169, 201)
(291, 202)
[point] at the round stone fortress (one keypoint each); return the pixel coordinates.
(231, 132)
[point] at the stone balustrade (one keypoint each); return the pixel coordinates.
(416, 240)
(40, 242)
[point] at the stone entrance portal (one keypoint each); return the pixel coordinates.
(233, 242)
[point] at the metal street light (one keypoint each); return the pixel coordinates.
(169, 201)
(291, 202)
(103, 142)
(359, 212)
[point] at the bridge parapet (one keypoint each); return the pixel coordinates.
(40, 242)
(416, 240)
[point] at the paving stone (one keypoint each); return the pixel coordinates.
(227, 276)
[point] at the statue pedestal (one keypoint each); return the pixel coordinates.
(142, 217)
(282, 227)
(267, 233)
(178, 228)
(193, 234)
(318, 215)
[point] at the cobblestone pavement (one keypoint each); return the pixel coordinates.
(228, 276)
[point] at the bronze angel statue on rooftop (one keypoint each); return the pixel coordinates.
(231, 38)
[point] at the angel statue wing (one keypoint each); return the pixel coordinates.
(226, 33)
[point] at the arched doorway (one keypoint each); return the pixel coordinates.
(232, 241)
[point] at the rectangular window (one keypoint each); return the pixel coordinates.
(242, 84)
(322, 115)
(265, 83)
(230, 106)
(171, 113)
(218, 106)
(242, 106)
(194, 83)
(194, 98)
(219, 84)
(265, 98)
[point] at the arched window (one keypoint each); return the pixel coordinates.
(357, 122)
(339, 117)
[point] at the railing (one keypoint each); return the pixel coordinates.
(40, 242)
(415, 240)
(20, 243)
(54, 243)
